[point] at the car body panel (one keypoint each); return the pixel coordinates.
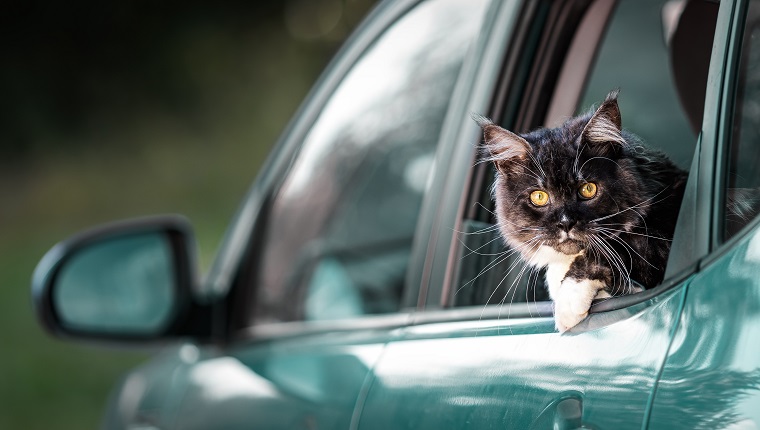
(279, 381)
(711, 378)
(513, 373)
(303, 382)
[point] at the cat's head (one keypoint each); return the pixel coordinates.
(557, 187)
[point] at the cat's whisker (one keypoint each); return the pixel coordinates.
(630, 257)
(615, 261)
(533, 175)
(497, 261)
(521, 227)
(628, 246)
(509, 270)
(607, 229)
(486, 209)
(474, 251)
(618, 224)
(513, 287)
(625, 273)
(484, 254)
(640, 204)
(580, 171)
(538, 165)
(602, 253)
(481, 231)
(578, 152)
(536, 272)
(643, 220)
(627, 228)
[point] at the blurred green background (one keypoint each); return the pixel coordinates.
(110, 110)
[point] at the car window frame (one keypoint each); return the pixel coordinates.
(697, 218)
(479, 80)
(513, 103)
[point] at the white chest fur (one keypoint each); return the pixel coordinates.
(557, 264)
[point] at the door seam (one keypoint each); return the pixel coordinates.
(369, 379)
(660, 371)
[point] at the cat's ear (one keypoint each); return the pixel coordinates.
(501, 144)
(605, 125)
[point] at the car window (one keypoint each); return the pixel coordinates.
(340, 228)
(743, 176)
(637, 39)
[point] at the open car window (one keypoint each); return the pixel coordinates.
(640, 35)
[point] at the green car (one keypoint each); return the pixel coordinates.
(360, 285)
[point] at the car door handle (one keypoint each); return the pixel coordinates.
(563, 413)
(568, 414)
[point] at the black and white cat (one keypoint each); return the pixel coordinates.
(587, 201)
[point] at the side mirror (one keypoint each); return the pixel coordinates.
(131, 280)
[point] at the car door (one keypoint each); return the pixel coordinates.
(711, 378)
(312, 280)
(483, 355)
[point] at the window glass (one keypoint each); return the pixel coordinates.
(340, 229)
(743, 181)
(636, 57)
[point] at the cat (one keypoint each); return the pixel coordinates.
(589, 202)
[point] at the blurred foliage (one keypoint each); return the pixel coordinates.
(117, 109)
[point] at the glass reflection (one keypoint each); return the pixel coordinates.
(340, 228)
(743, 193)
(123, 285)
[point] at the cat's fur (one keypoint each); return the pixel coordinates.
(590, 247)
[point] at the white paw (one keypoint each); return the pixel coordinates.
(573, 300)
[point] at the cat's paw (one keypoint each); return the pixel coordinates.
(573, 300)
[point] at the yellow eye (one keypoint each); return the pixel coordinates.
(587, 190)
(539, 198)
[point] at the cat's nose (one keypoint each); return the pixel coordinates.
(565, 223)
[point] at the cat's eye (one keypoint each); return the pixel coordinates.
(587, 190)
(539, 198)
